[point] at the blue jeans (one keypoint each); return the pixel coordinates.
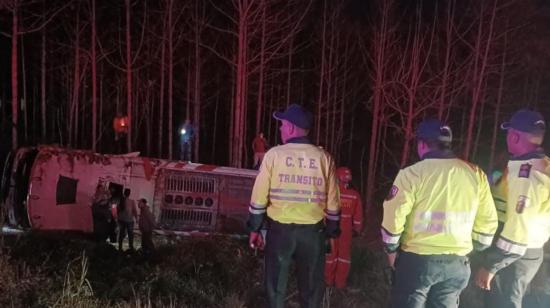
(511, 282)
(429, 280)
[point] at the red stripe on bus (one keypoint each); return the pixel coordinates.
(206, 168)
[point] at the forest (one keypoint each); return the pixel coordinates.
(368, 70)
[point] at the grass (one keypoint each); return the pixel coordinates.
(39, 271)
(44, 271)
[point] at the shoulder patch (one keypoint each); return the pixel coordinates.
(524, 171)
(393, 192)
(521, 205)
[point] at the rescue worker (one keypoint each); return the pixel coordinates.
(126, 213)
(259, 146)
(121, 123)
(187, 135)
(296, 188)
(146, 224)
(437, 211)
(338, 261)
(517, 254)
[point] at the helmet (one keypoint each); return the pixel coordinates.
(344, 175)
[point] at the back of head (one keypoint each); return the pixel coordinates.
(530, 128)
(127, 192)
(298, 116)
(435, 134)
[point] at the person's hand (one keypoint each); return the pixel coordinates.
(391, 259)
(256, 240)
(484, 278)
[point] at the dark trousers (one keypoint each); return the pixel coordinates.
(147, 245)
(305, 245)
(120, 143)
(125, 227)
(510, 283)
(185, 151)
(429, 280)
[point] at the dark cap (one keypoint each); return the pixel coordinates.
(297, 115)
(434, 130)
(527, 121)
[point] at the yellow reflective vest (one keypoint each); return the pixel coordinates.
(439, 206)
(296, 184)
(527, 222)
(500, 191)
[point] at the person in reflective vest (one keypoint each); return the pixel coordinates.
(437, 211)
(338, 261)
(296, 188)
(517, 253)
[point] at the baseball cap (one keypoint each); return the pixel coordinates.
(434, 129)
(527, 121)
(297, 115)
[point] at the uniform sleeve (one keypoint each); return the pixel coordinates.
(333, 202)
(397, 206)
(358, 214)
(512, 242)
(486, 222)
(260, 194)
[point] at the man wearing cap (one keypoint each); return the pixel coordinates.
(296, 188)
(517, 254)
(437, 211)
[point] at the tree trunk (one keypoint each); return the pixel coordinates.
(381, 39)
(161, 92)
(24, 106)
(170, 81)
(321, 76)
(14, 85)
(260, 101)
(239, 112)
(94, 80)
(448, 36)
(496, 124)
(128, 78)
(43, 87)
(479, 74)
(197, 85)
(289, 72)
(73, 117)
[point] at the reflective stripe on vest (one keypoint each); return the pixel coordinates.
(511, 246)
(390, 238)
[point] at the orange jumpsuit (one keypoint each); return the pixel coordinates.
(338, 261)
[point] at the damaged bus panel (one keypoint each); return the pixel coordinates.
(51, 188)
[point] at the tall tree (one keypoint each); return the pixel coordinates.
(94, 74)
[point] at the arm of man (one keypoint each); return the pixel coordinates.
(258, 202)
(486, 222)
(511, 244)
(397, 206)
(333, 201)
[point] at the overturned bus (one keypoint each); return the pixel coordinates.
(50, 188)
